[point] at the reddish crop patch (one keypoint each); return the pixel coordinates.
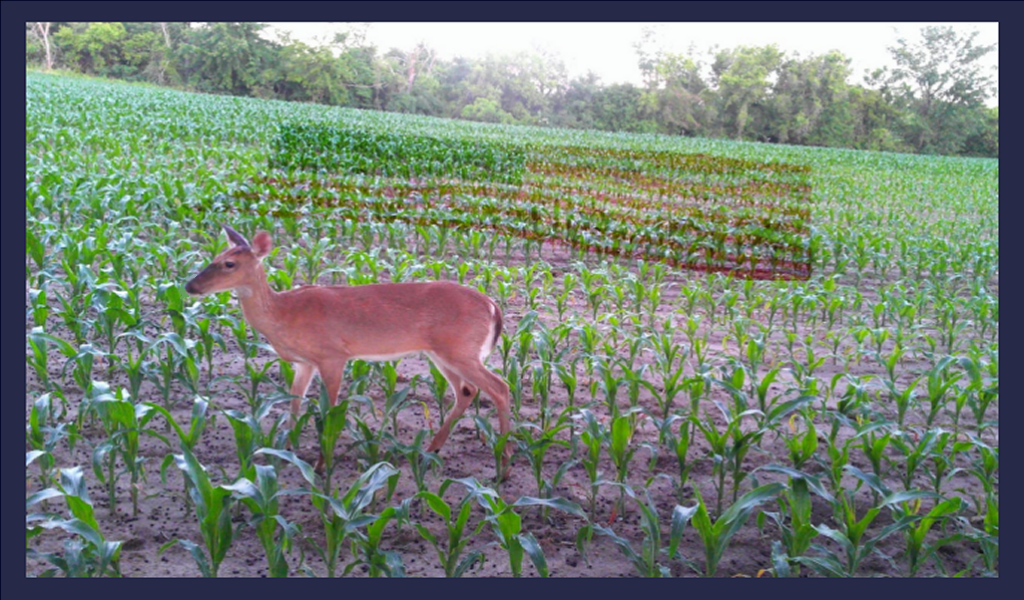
(697, 212)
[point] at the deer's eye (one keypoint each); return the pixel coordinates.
(229, 264)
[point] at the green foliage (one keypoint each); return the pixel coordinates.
(389, 154)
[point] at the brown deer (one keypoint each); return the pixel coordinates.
(320, 328)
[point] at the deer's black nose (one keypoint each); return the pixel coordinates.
(190, 287)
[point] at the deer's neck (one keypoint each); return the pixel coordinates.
(257, 302)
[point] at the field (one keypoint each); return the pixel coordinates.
(725, 359)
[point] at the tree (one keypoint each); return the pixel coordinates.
(942, 83)
(575, 108)
(618, 109)
(809, 103)
(985, 142)
(225, 57)
(91, 47)
(743, 76)
(486, 110)
(41, 32)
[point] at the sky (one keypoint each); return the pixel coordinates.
(607, 48)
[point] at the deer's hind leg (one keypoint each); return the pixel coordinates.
(472, 371)
(464, 394)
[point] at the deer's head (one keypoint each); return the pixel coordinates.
(237, 267)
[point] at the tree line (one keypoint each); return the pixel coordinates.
(931, 102)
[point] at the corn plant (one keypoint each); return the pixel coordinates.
(918, 550)
(621, 450)
(715, 536)
(535, 449)
(330, 422)
(341, 516)
(450, 553)
(377, 561)
(125, 425)
(851, 536)
(793, 520)
(212, 509)
(507, 524)
(593, 435)
(646, 562)
(177, 359)
(420, 461)
(498, 444)
(89, 554)
(43, 438)
(250, 435)
(274, 531)
(439, 387)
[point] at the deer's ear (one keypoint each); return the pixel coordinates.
(235, 237)
(262, 244)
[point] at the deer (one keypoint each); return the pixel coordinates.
(319, 328)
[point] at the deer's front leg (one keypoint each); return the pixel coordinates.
(331, 374)
(300, 385)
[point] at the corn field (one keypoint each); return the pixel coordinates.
(725, 358)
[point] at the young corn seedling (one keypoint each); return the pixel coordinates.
(507, 524)
(850, 536)
(918, 550)
(394, 399)
(134, 364)
(330, 422)
(377, 561)
(41, 342)
(874, 446)
(609, 385)
(916, 448)
(801, 447)
(716, 536)
(981, 391)
(250, 384)
(125, 424)
(212, 507)
(542, 380)
(905, 400)
(730, 447)
(940, 381)
(439, 387)
(593, 435)
(368, 441)
(274, 531)
(178, 355)
(420, 461)
(984, 465)
(341, 516)
(988, 536)
(567, 373)
(250, 436)
(621, 450)
(793, 521)
(498, 445)
(451, 553)
(634, 380)
(89, 554)
(647, 561)
(44, 438)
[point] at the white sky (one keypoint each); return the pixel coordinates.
(607, 48)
